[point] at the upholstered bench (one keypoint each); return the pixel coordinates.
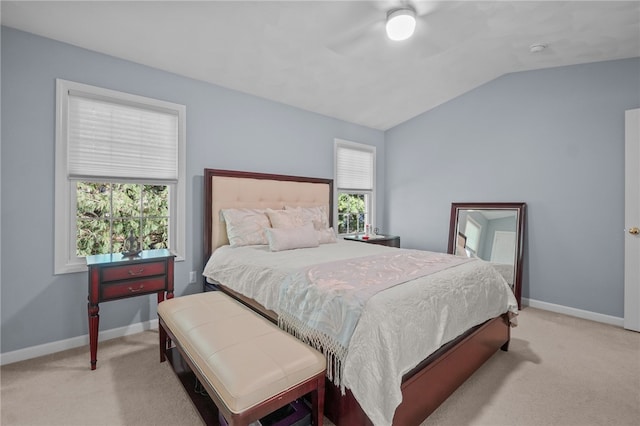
(248, 366)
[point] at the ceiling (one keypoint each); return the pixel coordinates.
(332, 57)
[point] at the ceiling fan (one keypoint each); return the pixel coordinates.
(366, 35)
(401, 23)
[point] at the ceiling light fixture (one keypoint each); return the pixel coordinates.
(538, 47)
(401, 23)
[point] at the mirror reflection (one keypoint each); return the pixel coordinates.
(491, 232)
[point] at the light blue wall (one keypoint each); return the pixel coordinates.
(552, 138)
(508, 224)
(225, 129)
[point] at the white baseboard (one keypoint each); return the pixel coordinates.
(593, 316)
(49, 348)
(74, 342)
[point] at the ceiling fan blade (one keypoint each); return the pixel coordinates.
(448, 26)
(358, 42)
(368, 39)
(354, 25)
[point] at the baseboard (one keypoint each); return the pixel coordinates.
(74, 342)
(593, 316)
(61, 345)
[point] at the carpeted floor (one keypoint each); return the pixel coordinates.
(559, 370)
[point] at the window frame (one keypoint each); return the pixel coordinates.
(65, 230)
(371, 208)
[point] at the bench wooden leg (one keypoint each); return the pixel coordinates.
(317, 403)
(163, 342)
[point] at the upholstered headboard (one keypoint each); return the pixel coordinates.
(225, 189)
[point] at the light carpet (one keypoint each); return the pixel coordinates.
(559, 370)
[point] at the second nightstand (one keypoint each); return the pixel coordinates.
(384, 240)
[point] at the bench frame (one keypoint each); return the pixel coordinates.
(315, 386)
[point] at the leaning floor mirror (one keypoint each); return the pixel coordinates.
(493, 232)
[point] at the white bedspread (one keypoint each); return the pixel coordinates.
(322, 304)
(398, 327)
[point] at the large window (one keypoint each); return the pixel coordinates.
(119, 170)
(107, 212)
(355, 185)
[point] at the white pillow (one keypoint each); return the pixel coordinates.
(317, 215)
(326, 236)
(291, 238)
(285, 218)
(245, 226)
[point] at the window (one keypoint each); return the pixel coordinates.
(355, 185)
(120, 168)
(107, 211)
(473, 230)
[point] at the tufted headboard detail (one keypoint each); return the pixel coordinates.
(224, 189)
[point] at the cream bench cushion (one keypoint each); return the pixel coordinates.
(242, 355)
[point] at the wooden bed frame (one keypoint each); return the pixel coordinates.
(426, 386)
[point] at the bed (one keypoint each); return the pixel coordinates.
(433, 376)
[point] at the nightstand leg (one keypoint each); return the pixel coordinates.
(94, 319)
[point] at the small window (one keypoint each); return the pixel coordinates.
(120, 168)
(472, 231)
(355, 186)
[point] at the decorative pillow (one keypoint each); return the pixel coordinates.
(326, 236)
(285, 218)
(317, 215)
(291, 238)
(245, 226)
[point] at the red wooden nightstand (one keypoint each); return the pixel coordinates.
(113, 276)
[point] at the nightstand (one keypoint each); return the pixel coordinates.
(113, 276)
(383, 240)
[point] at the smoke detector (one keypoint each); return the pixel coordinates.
(537, 47)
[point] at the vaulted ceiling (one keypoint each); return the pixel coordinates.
(332, 57)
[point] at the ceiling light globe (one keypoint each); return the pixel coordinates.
(401, 23)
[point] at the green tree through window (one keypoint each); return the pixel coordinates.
(106, 212)
(352, 213)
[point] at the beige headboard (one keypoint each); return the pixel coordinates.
(224, 189)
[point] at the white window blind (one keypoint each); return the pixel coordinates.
(120, 140)
(354, 169)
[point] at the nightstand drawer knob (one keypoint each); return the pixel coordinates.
(138, 272)
(135, 290)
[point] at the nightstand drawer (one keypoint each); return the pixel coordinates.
(137, 270)
(132, 287)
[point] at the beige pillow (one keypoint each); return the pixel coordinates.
(291, 238)
(285, 218)
(326, 236)
(245, 226)
(317, 215)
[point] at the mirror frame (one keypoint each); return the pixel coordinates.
(520, 209)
